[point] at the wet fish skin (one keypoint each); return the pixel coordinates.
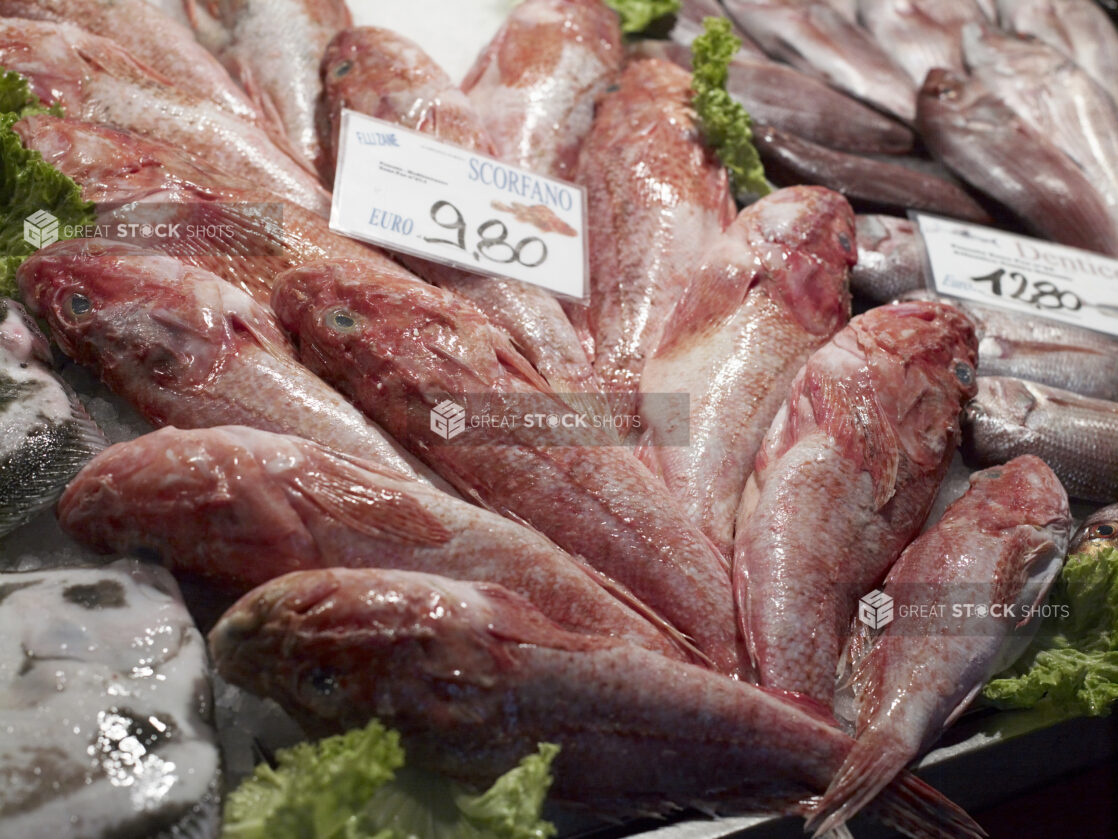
(1055, 96)
(773, 291)
(781, 96)
(113, 652)
(1040, 349)
(1076, 435)
(813, 37)
(978, 136)
(155, 39)
(186, 348)
(890, 258)
(660, 199)
(46, 436)
(1080, 29)
(412, 346)
(96, 80)
(472, 676)
(1098, 532)
(853, 461)
(921, 34)
(274, 47)
(134, 179)
(1002, 544)
(389, 77)
(289, 504)
(867, 182)
(534, 85)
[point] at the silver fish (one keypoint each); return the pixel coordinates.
(1001, 547)
(105, 707)
(813, 37)
(921, 34)
(1055, 96)
(890, 258)
(474, 677)
(1040, 349)
(976, 134)
(97, 80)
(1080, 29)
(1076, 435)
(45, 434)
(875, 184)
(783, 97)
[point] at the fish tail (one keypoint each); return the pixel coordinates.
(868, 779)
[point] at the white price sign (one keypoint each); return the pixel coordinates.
(410, 192)
(1016, 272)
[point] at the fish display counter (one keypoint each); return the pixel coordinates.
(557, 419)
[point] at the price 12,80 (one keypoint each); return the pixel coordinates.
(1040, 293)
(492, 236)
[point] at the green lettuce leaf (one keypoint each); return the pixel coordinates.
(638, 16)
(355, 786)
(1071, 668)
(724, 123)
(29, 185)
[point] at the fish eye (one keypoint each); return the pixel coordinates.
(78, 304)
(323, 681)
(964, 373)
(343, 68)
(1101, 531)
(341, 320)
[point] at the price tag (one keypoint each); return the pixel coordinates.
(410, 192)
(1016, 272)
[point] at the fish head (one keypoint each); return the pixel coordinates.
(921, 357)
(44, 53)
(20, 337)
(368, 62)
(1098, 532)
(342, 641)
(134, 314)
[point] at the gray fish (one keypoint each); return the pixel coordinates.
(1098, 532)
(976, 134)
(1075, 435)
(813, 37)
(1077, 28)
(873, 184)
(105, 706)
(921, 34)
(45, 434)
(1054, 95)
(890, 258)
(781, 96)
(1040, 349)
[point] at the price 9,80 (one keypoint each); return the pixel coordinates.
(1039, 293)
(492, 238)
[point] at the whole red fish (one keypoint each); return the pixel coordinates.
(377, 72)
(239, 506)
(658, 198)
(473, 677)
(535, 84)
(410, 354)
(96, 80)
(843, 482)
(186, 348)
(967, 599)
(773, 290)
(225, 224)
